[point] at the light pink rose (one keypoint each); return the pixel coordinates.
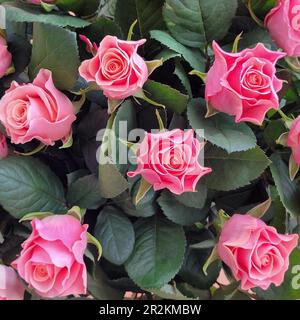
(3, 146)
(294, 139)
(283, 23)
(11, 287)
(170, 160)
(244, 84)
(51, 261)
(5, 57)
(256, 253)
(117, 68)
(36, 111)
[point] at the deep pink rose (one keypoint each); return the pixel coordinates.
(117, 68)
(244, 84)
(11, 287)
(294, 139)
(170, 160)
(36, 111)
(283, 23)
(51, 261)
(3, 146)
(5, 57)
(256, 253)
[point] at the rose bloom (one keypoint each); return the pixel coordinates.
(51, 261)
(3, 146)
(293, 140)
(283, 23)
(5, 57)
(11, 287)
(244, 84)
(256, 253)
(117, 68)
(170, 160)
(36, 111)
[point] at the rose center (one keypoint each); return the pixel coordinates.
(254, 79)
(265, 261)
(41, 272)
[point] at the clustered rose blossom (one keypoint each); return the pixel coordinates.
(256, 253)
(294, 139)
(283, 23)
(51, 261)
(117, 68)
(11, 287)
(244, 84)
(5, 57)
(36, 111)
(170, 160)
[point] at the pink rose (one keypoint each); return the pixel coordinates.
(244, 84)
(5, 57)
(170, 160)
(117, 68)
(36, 111)
(256, 253)
(3, 146)
(51, 261)
(294, 139)
(11, 287)
(283, 23)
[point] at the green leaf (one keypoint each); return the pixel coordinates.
(195, 23)
(101, 27)
(290, 288)
(27, 185)
(148, 13)
(20, 13)
(170, 292)
(182, 76)
(288, 190)
(178, 212)
(230, 292)
(192, 269)
(220, 130)
(81, 7)
(116, 234)
(193, 57)
(158, 253)
(234, 170)
(166, 95)
(194, 199)
(55, 49)
(85, 193)
(117, 183)
(98, 286)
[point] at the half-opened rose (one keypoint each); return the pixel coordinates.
(244, 84)
(11, 287)
(294, 139)
(5, 57)
(51, 261)
(283, 23)
(36, 110)
(117, 68)
(170, 160)
(256, 253)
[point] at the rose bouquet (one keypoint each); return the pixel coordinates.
(149, 149)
